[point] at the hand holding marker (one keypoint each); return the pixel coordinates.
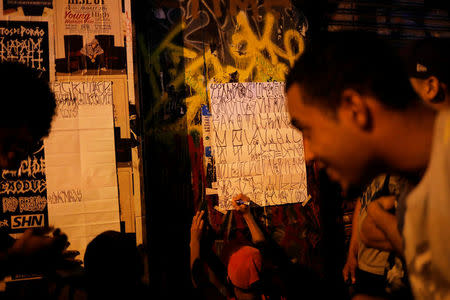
(242, 202)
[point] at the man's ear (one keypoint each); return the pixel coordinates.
(354, 109)
(431, 88)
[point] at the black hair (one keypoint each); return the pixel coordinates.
(364, 62)
(433, 53)
(113, 253)
(26, 100)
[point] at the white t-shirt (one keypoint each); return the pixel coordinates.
(427, 221)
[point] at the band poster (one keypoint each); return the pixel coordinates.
(27, 42)
(23, 195)
(87, 19)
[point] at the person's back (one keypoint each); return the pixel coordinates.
(426, 217)
(427, 221)
(27, 109)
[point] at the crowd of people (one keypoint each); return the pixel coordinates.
(380, 126)
(111, 259)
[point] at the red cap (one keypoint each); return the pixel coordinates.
(244, 267)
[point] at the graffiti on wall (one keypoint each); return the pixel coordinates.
(248, 48)
(221, 41)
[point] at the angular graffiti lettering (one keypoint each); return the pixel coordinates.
(33, 203)
(9, 204)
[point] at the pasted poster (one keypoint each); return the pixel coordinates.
(80, 162)
(256, 150)
(23, 195)
(26, 42)
(30, 7)
(89, 36)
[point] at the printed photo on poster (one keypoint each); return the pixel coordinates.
(27, 42)
(23, 193)
(29, 7)
(89, 37)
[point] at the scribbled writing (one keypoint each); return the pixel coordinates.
(257, 152)
(65, 196)
(264, 59)
(71, 95)
(234, 6)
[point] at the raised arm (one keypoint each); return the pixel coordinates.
(244, 209)
(196, 234)
(386, 222)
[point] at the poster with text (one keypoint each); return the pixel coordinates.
(29, 7)
(27, 42)
(89, 37)
(23, 192)
(80, 162)
(256, 150)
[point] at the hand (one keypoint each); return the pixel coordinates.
(35, 241)
(197, 227)
(387, 203)
(69, 260)
(36, 250)
(242, 208)
(350, 268)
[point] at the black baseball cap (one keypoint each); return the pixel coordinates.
(430, 57)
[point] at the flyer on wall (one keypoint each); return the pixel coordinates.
(29, 7)
(89, 37)
(27, 40)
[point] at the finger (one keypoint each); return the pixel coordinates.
(235, 205)
(56, 232)
(71, 254)
(59, 243)
(197, 218)
(200, 216)
(200, 220)
(41, 230)
(352, 273)
(194, 219)
(345, 274)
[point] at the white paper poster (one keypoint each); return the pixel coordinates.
(257, 152)
(81, 175)
(88, 18)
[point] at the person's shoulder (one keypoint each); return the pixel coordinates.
(445, 117)
(397, 184)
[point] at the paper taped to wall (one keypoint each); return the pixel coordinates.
(256, 150)
(80, 162)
